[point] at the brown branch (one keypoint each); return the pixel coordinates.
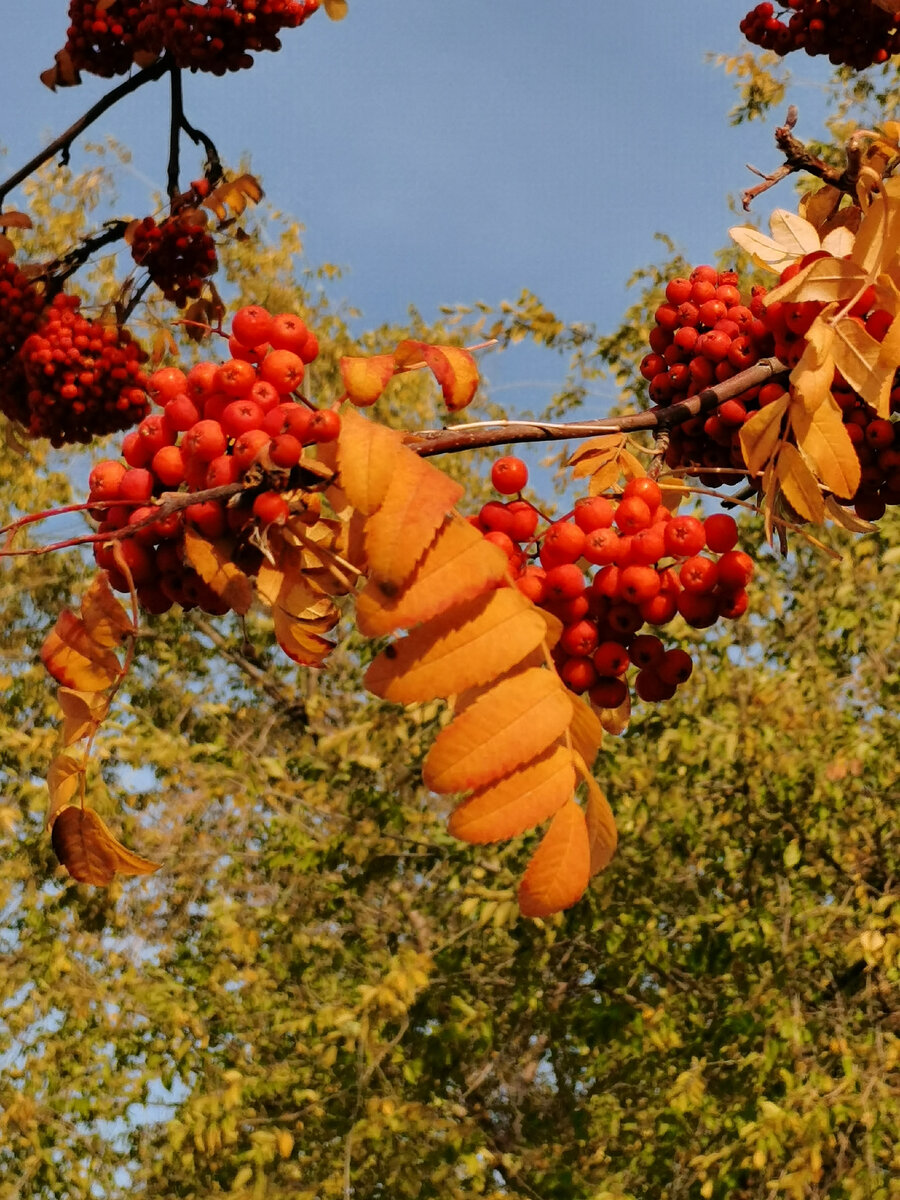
(798, 158)
(63, 143)
(428, 442)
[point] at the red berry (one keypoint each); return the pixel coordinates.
(271, 508)
(252, 325)
(721, 532)
(509, 475)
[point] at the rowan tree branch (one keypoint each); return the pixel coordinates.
(429, 442)
(63, 143)
(798, 158)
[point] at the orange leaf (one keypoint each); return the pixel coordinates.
(595, 452)
(456, 371)
(418, 498)
(82, 713)
(799, 485)
(367, 455)
(826, 279)
(336, 9)
(825, 444)
(468, 645)
(234, 194)
(212, 562)
(601, 826)
(528, 797)
(586, 732)
(301, 643)
(459, 564)
(62, 783)
(761, 434)
(560, 869)
(366, 378)
(75, 660)
(90, 853)
(410, 354)
(508, 726)
(105, 619)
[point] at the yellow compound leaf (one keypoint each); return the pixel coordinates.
(761, 434)
(604, 477)
(601, 826)
(508, 726)
(827, 279)
(825, 444)
(63, 779)
(90, 853)
(458, 565)
(367, 454)
(366, 378)
(105, 619)
(560, 869)
(799, 485)
(513, 805)
(468, 645)
(417, 500)
(764, 251)
(819, 206)
(212, 562)
(793, 232)
(75, 660)
(82, 713)
(858, 357)
(586, 731)
(814, 373)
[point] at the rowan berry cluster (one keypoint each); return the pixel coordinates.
(21, 306)
(222, 35)
(75, 378)
(689, 353)
(179, 253)
(855, 33)
(217, 422)
(612, 568)
(705, 332)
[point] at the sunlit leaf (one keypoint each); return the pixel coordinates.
(366, 378)
(468, 645)
(105, 619)
(82, 713)
(825, 444)
(511, 724)
(212, 562)
(586, 732)
(510, 806)
(367, 455)
(398, 533)
(75, 660)
(826, 279)
(456, 371)
(813, 375)
(234, 194)
(799, 485)
(761, 434)
(601, 826)
(459, 564)
(560, 869)
(64, 777)
(858, 358)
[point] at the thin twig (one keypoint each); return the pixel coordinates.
(798, 158)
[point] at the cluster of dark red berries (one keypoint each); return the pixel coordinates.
(705, 333)
(179, 253)
(218, 421)
(21, 306)
(688, 354)
(221, 35)
(854, 33)
(648, 567)
(73, 378)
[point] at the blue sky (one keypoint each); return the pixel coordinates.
(451, 152)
